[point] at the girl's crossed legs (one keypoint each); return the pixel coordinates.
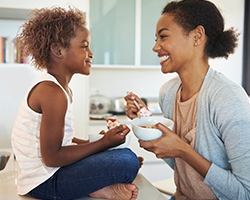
(98, 175)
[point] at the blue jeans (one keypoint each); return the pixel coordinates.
(89, 174)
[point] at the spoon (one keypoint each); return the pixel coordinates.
(134, 101)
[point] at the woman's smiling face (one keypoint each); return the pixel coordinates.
(173, 46)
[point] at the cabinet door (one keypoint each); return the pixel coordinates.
(123, 32)
(112, 28)
(150, 13)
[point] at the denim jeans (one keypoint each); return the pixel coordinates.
(89, 174)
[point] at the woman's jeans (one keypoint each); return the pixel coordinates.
(89, 175)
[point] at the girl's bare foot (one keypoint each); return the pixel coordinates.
(118, 191)
(141, 159)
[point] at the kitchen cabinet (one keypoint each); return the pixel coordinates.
(112, 28)
(123, 32)
(150, 13)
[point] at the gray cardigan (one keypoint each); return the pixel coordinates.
(222, 132)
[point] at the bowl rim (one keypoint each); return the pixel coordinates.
(160, 117)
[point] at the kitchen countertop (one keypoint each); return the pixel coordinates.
(121, 118)
(8, 190)
(8, 187)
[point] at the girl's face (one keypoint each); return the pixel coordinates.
(78, 55)
(173, 46)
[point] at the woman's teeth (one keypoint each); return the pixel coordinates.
(163, 58)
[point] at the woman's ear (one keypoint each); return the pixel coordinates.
(56, 50)
(199, 35)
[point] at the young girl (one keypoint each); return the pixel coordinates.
(209, 147)
(52, 167)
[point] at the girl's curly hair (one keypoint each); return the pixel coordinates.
(45, 27)
(191, 13)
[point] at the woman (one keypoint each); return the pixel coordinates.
(209, 146)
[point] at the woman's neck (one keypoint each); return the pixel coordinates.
(192, 80)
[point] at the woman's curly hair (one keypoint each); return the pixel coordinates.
(191, 13)
(45, 27)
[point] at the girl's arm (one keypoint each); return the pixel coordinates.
(49, 99)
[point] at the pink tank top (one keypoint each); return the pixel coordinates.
(25, 141)
(188, 181)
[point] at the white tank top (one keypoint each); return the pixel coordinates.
(25, 141)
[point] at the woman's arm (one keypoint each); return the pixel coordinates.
(225, 183)
(231, 116)
(171, 145)
(132, 110)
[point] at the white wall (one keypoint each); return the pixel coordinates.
(146, 82)
(116, 82)
(14, 82)
(233, 12)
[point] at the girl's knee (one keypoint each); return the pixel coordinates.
(127, 158)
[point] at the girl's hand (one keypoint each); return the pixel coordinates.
(115, 136)
(132, 110)
(167, 146)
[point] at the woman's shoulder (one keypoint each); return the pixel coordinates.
(221, 92)
(219, 85)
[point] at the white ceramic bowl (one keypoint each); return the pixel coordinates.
(95, 137)
(148, 134)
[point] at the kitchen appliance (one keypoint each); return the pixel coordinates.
(99, 104)
(118, 106)
(4, 157)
